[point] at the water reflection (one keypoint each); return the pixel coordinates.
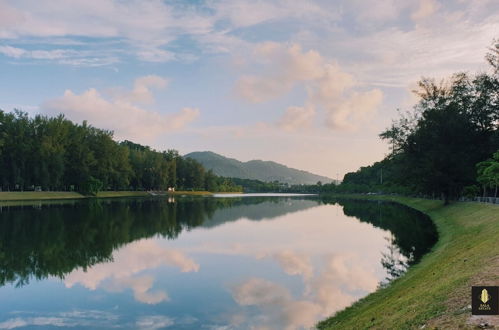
(412, 233)
(334, 286)
(280, 263)
(129, 261)
(52, 239)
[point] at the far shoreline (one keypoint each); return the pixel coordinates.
(35, 196)
(17, 196)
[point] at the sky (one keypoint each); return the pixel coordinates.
(309, 84)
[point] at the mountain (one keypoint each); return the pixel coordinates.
(255, 169)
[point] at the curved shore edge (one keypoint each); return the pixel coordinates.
(435, 293)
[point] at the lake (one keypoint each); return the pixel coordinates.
(224, 262)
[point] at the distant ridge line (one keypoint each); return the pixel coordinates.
(267, 171)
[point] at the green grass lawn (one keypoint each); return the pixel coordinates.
(436, 292)
(56, 195)
(38, 195)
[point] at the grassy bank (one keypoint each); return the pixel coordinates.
(436, 292)
(58, 195)
(38, 195)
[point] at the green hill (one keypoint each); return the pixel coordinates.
(255, 169)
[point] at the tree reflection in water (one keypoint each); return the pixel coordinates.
(412, 233)
(52, 239)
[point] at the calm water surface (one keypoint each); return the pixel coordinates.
(280, 262)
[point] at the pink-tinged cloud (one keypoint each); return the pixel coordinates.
(295, 118)
(328, 86)
(120, 113)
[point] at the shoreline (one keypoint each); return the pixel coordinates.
(435, 293)
(66, 195)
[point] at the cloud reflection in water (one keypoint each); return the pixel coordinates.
(120, 274)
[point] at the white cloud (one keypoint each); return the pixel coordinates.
(379, 11)
(351, 112)
(152, 322)
(62, 56)
(217, 42)
(284, 67)
(445, 42)
(54, 54)
(128, 261)
(12, 51)
(328, 86)
(134, 122)
(243, 13)
(426, 8)
(155, 55)
(147, 27)
(257, 89)
(295, 118)
(331, 85)
(141, 92)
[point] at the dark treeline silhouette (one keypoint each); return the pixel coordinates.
(444, 147)
(54, 238)
(53, 153)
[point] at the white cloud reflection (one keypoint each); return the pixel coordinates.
(74, 318)
(301, 244)
(276, 303)
(336, 286)
(308, 265)
(128, 261)
(293, 263)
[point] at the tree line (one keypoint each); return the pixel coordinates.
(53, 153)
(445, 146)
